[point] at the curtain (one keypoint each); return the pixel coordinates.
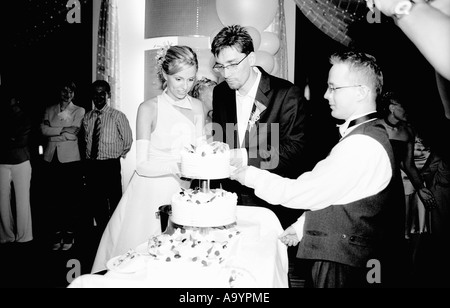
(279, 28)
(334, 17)
(108, 49)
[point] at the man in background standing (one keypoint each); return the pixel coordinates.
(108, 138)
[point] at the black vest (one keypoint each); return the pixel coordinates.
(356, 232)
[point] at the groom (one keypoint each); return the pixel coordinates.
(261, 117)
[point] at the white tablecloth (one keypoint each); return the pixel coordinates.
(258, 255)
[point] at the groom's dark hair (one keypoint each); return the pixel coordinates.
(234, 36)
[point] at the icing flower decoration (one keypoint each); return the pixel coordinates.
(254, 117)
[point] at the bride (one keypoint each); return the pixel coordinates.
(165, 124)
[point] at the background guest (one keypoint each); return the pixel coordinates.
(436, 173)
(402, 138)
(15, 168)
(203, 90)
(261, 117)
(108, 138)
(419, 218)
(61, 125)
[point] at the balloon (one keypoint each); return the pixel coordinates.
(265, 60)
(256, 37)
(254, 13)
(307, 92)
(276, 67)
(269, 42)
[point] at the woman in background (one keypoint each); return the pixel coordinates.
(203, 90)
(15, 169)
(165, 125)
(61, 124)
(402, 139)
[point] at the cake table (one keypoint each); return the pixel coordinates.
(257, 259)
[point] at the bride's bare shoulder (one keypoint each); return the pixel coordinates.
(149, 105)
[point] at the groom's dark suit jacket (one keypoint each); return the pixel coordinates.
(276, 142)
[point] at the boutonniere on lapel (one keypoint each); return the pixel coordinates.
(254, 117)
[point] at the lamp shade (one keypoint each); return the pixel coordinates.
(180, 18)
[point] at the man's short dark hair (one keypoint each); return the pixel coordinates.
(69, 84)
(234, 36)
(102, 83)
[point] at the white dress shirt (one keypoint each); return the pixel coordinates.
(244, 106)
(357, 167)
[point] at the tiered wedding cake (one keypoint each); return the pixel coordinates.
(207, 161)
(204, 207)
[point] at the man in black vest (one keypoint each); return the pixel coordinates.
(354, 197)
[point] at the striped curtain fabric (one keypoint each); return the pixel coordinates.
(108, 49)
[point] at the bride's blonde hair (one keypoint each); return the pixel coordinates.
(175, 59)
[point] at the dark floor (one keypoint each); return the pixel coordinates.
(35, 265)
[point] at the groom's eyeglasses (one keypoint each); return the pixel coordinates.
(219, 68)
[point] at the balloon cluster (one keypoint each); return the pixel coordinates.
(255, 16)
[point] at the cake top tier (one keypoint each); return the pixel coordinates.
(206, 161)
(205, 149)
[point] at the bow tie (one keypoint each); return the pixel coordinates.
(362, 119)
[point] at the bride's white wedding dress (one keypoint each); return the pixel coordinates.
(134, 219)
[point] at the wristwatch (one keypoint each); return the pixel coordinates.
(403, 8)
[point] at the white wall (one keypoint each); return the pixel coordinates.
(132, 47)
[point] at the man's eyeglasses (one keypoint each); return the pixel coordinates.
(332, 89)
(219, 68)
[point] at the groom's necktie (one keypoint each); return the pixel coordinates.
(96, 135)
